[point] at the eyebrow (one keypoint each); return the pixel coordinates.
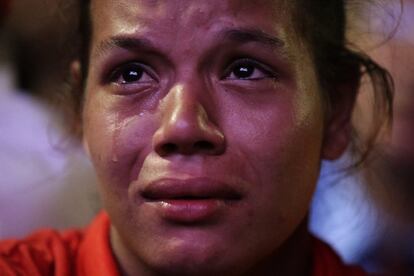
(124, 42)
(253, 35)
(236, 35)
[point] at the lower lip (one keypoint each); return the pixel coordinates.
(189, 210)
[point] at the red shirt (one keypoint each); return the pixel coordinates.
(86, 253)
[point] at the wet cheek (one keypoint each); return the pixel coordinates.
(133, 143)
(118, 145)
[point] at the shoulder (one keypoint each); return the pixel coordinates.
(42, 253)
(327, 262)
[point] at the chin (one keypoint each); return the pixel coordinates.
(190, 269)
(195, 259)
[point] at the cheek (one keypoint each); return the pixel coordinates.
(118, 142)
(281, 145)
(280, 152)
(285, 132)
(99, 130)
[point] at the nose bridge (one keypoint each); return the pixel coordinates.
(189, 107)
(185, 126)
(184, 106)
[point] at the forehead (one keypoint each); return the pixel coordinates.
(141, 15)
(181, 8)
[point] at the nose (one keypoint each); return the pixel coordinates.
(185, 127)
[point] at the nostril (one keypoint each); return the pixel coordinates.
(169, 148)
(203, 146)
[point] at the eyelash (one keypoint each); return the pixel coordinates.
(267, 72)
(116, 74)
(249, 64)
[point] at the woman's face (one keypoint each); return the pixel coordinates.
(205, 128)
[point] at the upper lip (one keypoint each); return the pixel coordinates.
(196, 188)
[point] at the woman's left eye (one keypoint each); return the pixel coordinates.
(247, 69)
(132, 73)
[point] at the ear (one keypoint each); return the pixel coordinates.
(338, 127)
(85, 146)
(76, 74)
(76, 83)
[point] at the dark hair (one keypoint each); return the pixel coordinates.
(322, 26)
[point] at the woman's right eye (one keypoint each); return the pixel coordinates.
(131, 73)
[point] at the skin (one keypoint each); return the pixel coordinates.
(190, 117)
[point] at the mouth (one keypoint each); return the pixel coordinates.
(191, 200)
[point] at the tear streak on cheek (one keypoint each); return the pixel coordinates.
(131, 143)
